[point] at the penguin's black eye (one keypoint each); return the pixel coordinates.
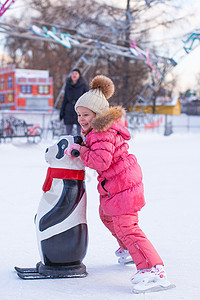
(62, 145)
(78, 140)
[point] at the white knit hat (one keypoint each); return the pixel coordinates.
(102, 88)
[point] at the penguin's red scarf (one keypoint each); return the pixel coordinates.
(61, 174)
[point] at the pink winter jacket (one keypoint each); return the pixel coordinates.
(120, 178)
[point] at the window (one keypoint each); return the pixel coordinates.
(2, 83)
(43, 89)
(10, 97)
(10, 82)
(26, 89)
(2, 98)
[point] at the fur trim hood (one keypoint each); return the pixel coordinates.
(111, 118)
(103, 121)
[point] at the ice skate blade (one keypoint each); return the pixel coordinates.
(157, 288)
(125, 261)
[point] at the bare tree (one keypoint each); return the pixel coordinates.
(91, 20)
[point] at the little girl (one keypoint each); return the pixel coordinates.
(120, 181)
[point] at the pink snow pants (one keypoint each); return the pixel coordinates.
(129, 236)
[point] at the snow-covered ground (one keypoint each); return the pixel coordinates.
(171, 168)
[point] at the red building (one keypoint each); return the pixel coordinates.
(25, 89)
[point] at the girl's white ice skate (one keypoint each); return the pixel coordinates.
(151, 280)
(123, 256)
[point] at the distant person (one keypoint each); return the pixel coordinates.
(74, 88)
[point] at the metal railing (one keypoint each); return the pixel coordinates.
(52, 128)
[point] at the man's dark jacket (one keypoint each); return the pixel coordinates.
(72, 93)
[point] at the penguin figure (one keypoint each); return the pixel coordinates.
(61, 225)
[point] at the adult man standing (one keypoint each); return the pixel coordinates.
(74, 88)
